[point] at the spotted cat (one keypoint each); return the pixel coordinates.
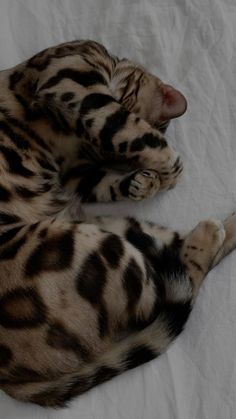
(83, 299)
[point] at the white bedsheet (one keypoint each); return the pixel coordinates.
(190, 43)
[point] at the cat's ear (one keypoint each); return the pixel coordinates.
(174, 103)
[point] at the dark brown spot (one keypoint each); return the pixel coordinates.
(5, 195)
(113, 194)
(89, 122)
(21, 374)
(9, 235)
(14, 161)
(6, 218)
(132, 282)
(60, 338)
(138, 356)
(67, 96)
(112, 250)
(43, 233)
(53, 254)
(72, 105)
(114, 123)
(5, 356)
(196, 265)
(22, 308)
(49, 96)
(25, 193)
(15, 78)
(11, 250)
(123, 147)
(104, 374)
(102, 320)
(92, 279)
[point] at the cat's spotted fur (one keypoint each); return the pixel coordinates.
(82, 300)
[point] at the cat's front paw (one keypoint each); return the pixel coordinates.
(166, 162)
(140, 185)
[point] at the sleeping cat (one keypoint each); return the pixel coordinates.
(83, 299)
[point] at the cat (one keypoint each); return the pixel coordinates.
(83, 298)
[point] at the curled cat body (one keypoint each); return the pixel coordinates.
(82, 298)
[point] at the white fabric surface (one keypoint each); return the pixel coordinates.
(190, 43)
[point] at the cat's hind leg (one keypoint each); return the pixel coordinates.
(229, 243)
(200, 248)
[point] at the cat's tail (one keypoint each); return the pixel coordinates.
(134, 350)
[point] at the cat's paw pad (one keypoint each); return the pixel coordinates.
(144, 184)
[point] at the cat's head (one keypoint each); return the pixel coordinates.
(146, 95)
